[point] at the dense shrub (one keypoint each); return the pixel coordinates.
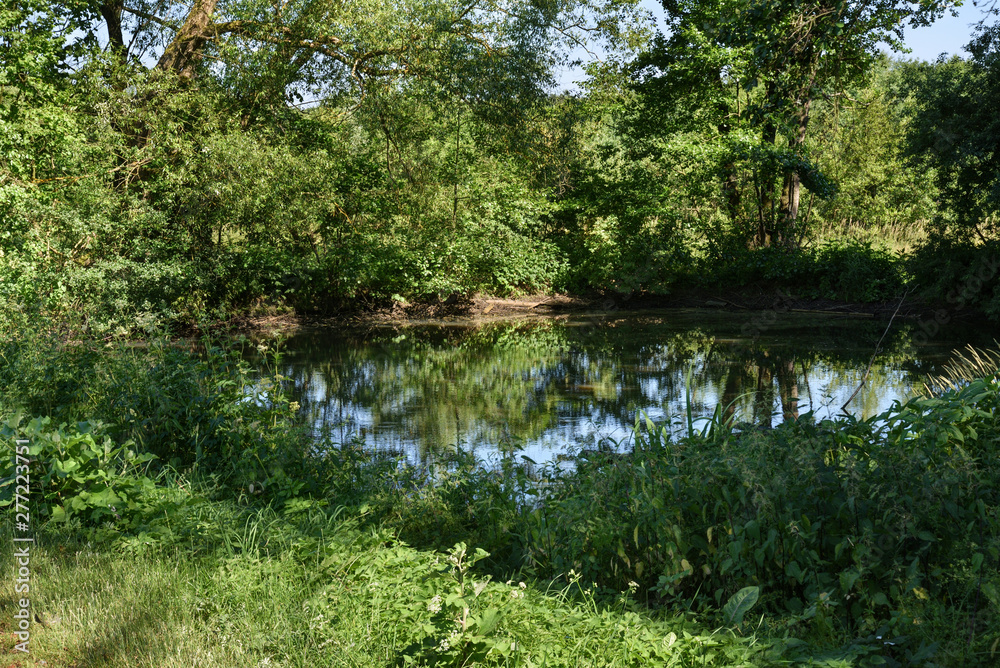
(79, 470)
(848, 271)
(848, 527)
(959, 273)
(200, 408)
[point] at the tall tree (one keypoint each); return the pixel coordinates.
(324, 47)
(760, 65)
(955, 132)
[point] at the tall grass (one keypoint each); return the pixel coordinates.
(965, 367)
(898, 236)
(823, 543)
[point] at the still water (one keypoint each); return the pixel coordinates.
(544, 386)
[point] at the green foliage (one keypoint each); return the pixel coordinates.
(342, 596)
(194, 217)
(839, 534)
(453, 616)
(861, 145)
(740, 604)
(203, 408)
(953, 133)
(846, 271)
(859, 527)
(958, 273)
(81, 472)
(186, 193)
(748, 75)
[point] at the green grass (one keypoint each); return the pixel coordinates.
(315, 590)
(840, 537)
(900, 238)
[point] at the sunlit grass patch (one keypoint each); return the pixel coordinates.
(104, 608)
(328, 594)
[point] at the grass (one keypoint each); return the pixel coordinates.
(967, 365)
(319, 591)
(114, 610)
(900, 238)
(849, 543)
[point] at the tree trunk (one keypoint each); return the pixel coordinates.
(792, 190)
(112, 13)
(185, 50)
(765, 205)
(730, 186)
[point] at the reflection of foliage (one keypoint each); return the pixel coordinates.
(515, 383)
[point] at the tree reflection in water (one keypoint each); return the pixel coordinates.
(540, 386)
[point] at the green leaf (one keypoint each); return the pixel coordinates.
(489, 621)
(740, 604)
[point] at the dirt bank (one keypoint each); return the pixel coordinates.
(484, 308)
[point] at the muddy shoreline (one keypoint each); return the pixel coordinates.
(483, 308)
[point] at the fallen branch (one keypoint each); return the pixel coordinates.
(878, 348)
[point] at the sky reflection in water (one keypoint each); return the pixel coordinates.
(542, 386)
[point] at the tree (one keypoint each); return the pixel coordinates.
(328, 47)
(859, 141)
(955, 132)
(757, 67)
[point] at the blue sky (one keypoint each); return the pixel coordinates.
(948, 35)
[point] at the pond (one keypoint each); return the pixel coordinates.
(545, 386)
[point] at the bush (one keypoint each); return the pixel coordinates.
(959, 274)
(194, 408)
(846, 271)
(79, 470)
(856, 528)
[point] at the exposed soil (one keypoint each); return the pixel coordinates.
(482, 308)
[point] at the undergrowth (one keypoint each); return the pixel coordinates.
(848, 542)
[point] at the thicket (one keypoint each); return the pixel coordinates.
(867, 540)
(135, 200)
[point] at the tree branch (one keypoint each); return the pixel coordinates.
(166, 23)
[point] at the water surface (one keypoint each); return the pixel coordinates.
(544, 386)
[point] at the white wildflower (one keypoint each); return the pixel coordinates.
(434, 605)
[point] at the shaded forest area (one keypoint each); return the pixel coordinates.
(185, 162)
